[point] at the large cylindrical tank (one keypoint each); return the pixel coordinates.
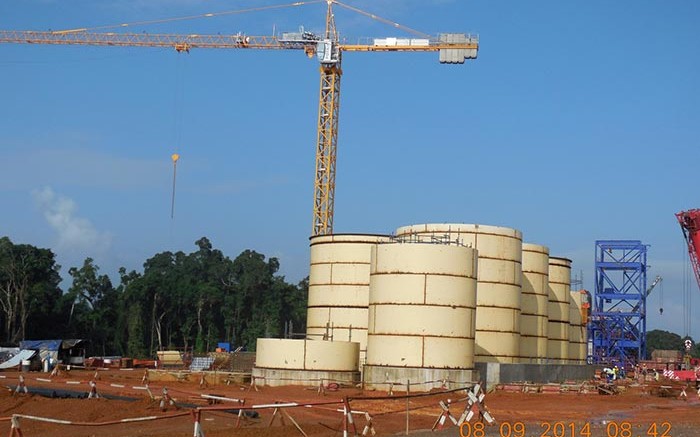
(577, 330)
(422, 302)
(339, 287)
(497, 337)
(535, 303)
(559, 296)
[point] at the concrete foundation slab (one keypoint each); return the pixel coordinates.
(421, 379)
(312, 378)
(499, 373)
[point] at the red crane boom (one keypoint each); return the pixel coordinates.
(690, 225)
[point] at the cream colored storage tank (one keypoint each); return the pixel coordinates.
(279, 353)
(497, 337)
(559, 296)
(305, 362)
(535, 303)
(339, 287)
(577, 330)
(421, 307)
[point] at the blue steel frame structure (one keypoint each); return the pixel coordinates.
(618, 320)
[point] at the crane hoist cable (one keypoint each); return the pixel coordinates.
(175, 157)
(188, 17)
(686, 294)
(177, 128)
(383, 20)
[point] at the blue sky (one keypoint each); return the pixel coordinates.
(578, 121)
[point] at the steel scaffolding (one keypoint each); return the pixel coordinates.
(618, 321)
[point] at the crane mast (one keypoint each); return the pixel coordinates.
(327, 140)
(454, 48)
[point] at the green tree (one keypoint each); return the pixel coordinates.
(256, 300)
(29, 289)
(94, 305)
(663, 340)
(128, 331)
(294, 300)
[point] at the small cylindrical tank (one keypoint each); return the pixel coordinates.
(280, 353)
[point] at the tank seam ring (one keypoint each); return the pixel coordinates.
(402, 304)
(338, 306)
(449, 337)
(560, 301)
(498, 283)
(307, 370)
(333, 263)
(493, 258)
(318, 284)
(451, 275)
(518, 308)
(416, 367)
(533, 293)
(500, 331)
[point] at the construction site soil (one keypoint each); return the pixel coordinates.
(639, 410)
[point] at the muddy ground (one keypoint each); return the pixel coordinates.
(635, 412)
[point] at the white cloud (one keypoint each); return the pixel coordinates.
(74, 233)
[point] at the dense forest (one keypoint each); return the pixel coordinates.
(664, 340)
(184, 301)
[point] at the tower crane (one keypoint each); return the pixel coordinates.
(690, 226)
(453, 48)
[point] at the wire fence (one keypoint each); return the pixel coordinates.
(361, 414)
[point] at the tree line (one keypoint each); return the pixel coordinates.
(665, 340)
(184, 301)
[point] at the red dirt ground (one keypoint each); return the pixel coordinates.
(538, 412)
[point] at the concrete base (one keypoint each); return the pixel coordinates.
(311, 378)
(498, 373)
(421, 379)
